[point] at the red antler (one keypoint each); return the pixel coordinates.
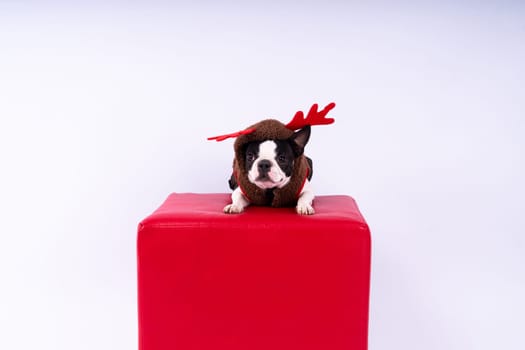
(235, 134)
(314, 117)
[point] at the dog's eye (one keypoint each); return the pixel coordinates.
(250, 157)
(282, 158)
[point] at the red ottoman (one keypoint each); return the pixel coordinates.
(265, 279)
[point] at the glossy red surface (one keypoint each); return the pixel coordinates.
(264, 279)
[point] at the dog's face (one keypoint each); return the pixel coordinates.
(270, 163)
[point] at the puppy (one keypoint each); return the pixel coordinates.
(278, 169)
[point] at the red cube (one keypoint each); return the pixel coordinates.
(266, 279)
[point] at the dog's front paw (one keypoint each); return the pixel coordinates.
(233, 209)
(305, 209)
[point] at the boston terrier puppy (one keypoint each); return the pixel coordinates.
(269, 166)
(279, 170)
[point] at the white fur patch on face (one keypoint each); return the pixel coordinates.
(276, 177)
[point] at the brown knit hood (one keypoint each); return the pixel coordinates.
(269, 129)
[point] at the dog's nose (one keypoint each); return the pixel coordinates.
(264, 166)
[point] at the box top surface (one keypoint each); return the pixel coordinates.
(198, 210)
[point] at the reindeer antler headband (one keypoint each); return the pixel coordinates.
(314, 117)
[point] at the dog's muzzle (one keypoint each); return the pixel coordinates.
(264, 166)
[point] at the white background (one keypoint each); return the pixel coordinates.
(105, 109)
